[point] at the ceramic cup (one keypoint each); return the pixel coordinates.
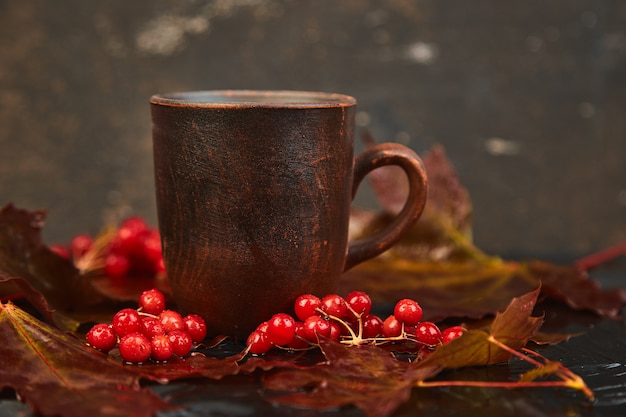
(253, 192)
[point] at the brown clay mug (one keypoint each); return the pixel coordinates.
(254, 190)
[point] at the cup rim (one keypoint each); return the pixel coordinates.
(253, 99)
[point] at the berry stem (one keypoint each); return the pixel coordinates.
(355, 338)
(94, 258)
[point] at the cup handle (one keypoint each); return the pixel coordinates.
(375, 157)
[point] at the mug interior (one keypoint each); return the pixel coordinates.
(253, 98)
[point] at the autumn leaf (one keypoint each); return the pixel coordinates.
(513, 327)
(506, 337)
(23, 255)
(50, 282)
(57, 374)
(437, 263)
(444, 289)
(365, 376)
(575, 288)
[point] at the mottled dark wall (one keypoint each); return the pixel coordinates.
(528, 98)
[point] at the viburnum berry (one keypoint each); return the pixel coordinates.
(281, 328)
(392, 327)
(258, 343)
(161, 348)
(151, 327)
(305, 306)
(262, 327)
(334, 305)
(372, 326)
(350, 325)
(159, 268)
(102, 337)
(132, 249)
(116, 266)
(360, 302)
(408, 311)
(315, 326)
(135, 347)
(151, 253)
(452, 333)
(181, 342)
(61, 250)
(335, 330)
(80, 245)
(299, 339)
(171, 320)
(127, 240)
(152, 301)
(127, 321)
(349, 321)
(195, 326)
(428, 333)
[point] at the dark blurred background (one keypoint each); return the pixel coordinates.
(528, 98)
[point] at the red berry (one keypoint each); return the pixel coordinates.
(116, 266)
(315, 326)
(353, 323)
(281, 329)
(127, 240)
(360, 302)
(151, 327)
(306, 305)
(258, 343)
(195, 326)
(299, 339)
(334, 305)
(61, 250)
(181, 342)
(372, 326)
(452, 333)
(171, 320)
(80, 245)
(408, 311)
(135, 348)
(102, 337)
(262, 327)
(335, 330)
(392, 327)
(160, 266)
(410, 329)
(152, 301)
(134, 223)
(151, 250)
(428, 333)
(161, 348)
(127, 321)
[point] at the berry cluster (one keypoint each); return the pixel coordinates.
(349, 321)
(132, 249)
(149, 332)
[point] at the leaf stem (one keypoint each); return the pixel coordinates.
(568, 378)
(598, 258)
(508, 384)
